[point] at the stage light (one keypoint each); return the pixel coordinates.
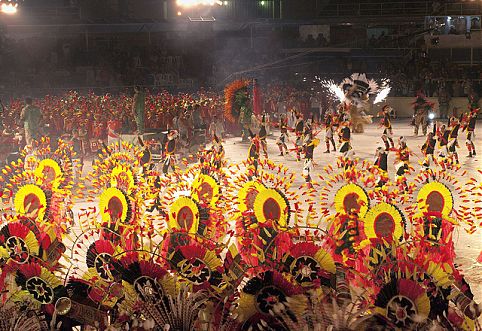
(9, 8)
(193, 3)
(179, 13)
(262, 3)
(225, 3)
(431, 116)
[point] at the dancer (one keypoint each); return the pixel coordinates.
(262, 136)
(428, 149)
(453, 144)
(299, 127)
(471, 120)
(217, 153)
(381, 161)
(421, 108)
(329, 129)
(387, 135)
(170, 150)
(309, 146)
(345, 140)
(402, 161)
(443, 139)
(253, 151)
(281, 142)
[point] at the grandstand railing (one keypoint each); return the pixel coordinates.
(388, 8)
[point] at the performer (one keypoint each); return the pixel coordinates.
(387, 135)
(253, 151)
(421, 108)
(262, 136)
(281, 142)
(402, 162)
(345, 139)
(442, 135)
(217, 153)
(428, 148)
(471, 120)
(453, 144)
(299, 127)
(309, 146)
(329, 129)
(138, 106)
(170, 150)
(31, 117)
(381, 161)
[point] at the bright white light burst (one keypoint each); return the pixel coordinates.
(333, 89)
(8, 8)
(193, 3)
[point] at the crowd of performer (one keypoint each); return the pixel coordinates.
(439, 148)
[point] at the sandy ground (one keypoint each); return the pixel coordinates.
(468, 246)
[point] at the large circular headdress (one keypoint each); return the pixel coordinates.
(271, 205)
(267, 294)
(49, 173)
(205, 189)
(247, 195)
(435, 197)
(352, 198)
(121, 177)
(18, 243)
(384, 221)
(184, 215)
(309, 264)
(114, 205)
(30, 200)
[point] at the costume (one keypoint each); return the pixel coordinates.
(381, 161)
(309, 146)
(253, 151)
(387, 135)
(169, 152)
(421, 108)
(31, 117)
(262, 136)
(330, 122)
(453, 144)
(299, 127)
(428, 149)
(281, 142)
(217, 153)
(403, 159)
(345, 139)
(471, 120)
(443, 138)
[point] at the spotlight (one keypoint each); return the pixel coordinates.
(193, 3)
(431, 116)
(9, 8)
(179, 13)
(225, 3)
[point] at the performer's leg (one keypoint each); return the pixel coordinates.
(424, 125)
(333, 143)
(280, 146)
(392, 144)
(385, 141)
(327, 142)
